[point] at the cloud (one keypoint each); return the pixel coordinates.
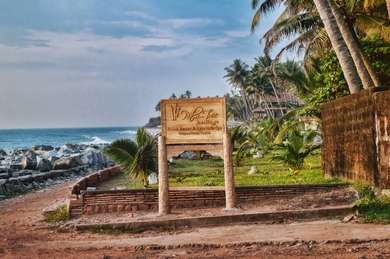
(196, 22)
(238, 34)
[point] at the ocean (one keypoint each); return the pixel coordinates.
(11, 139)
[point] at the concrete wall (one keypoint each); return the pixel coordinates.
(356, 137)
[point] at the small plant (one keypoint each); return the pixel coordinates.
(239, 154)
(369, 207)
(57, 215)
(293, 153)
(180, 178)
(294, 174)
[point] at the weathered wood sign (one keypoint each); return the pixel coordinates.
(193, 120)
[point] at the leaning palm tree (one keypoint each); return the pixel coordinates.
(137, 158)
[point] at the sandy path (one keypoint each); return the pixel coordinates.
(22, 235)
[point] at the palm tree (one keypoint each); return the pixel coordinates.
(188, 94)
(297, 145)
(137, 158)
(263, 68)
(339, 45)
(300, 20)
(238, 76)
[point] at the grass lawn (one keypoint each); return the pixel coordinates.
(209, 172)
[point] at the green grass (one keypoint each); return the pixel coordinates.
(57, 215)
(210, 172)
(372, 209)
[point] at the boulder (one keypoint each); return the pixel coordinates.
(64, 163)
(42, 148)
(43, 164)
(15, 166)
(52, 159)
(53, 153)
(2, 153)
(28, 163)
(4, 170)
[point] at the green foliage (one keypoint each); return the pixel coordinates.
(239, 154)
(331, 86)
(57, 215)
(329, 82)
(378, 51)
(293, 153)
(137, 158)
(371, 208)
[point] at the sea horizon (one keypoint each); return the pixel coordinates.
(25, 138)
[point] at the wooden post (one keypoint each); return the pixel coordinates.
(163, 185)
(230, 191)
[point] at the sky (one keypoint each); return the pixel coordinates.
(72, 63)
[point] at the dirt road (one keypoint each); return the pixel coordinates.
(22, 235)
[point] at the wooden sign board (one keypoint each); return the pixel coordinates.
(193, 120)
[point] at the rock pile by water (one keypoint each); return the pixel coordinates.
(42, 165)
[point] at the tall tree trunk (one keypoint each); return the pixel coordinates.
(369, 66)
(277, 97)
(388, 9)
(339, 46)
(352, 46)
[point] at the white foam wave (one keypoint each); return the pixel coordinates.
(96, 141)
(127, 132)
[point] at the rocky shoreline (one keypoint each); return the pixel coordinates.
(43, 165)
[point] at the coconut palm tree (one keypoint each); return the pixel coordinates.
(238, 75)
(300, 20)
(137, 158)
(188, 94)
(263, 68)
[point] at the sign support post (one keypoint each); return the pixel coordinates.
(163, 186)
(230, 191)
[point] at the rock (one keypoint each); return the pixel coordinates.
(52, 159)
(4, 170)
(15, 166)
(64, 163)
(349, 218)
(152, 178)
(78, 161)
(52, 153)
(253, 170)
(4, 175)
(43, 164)
(42, 148)
(28, 163)
(25, 178)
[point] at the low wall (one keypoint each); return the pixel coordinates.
(96, 202)
(93, 179)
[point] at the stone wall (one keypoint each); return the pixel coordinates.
(96, 202)
(356, 137)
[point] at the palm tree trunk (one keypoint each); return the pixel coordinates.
(339, 46)
(277, 97)
(352, 46)
(366, 60)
